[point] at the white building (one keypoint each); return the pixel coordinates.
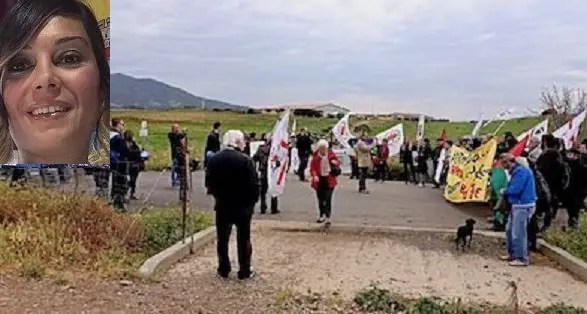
(310, 109)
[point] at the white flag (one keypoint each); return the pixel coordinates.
(570, 130)
(504, 114)
(395, 138)
(420, 132)
(342, 132)
(536, 132)
(278, 156)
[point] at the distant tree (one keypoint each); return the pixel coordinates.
(560, 104)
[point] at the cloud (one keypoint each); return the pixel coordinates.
(420, 56)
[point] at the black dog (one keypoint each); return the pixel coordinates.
(464, 232)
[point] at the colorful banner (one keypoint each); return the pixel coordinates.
(468, 173)
(101, 9)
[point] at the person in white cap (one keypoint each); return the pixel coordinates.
(324, 169)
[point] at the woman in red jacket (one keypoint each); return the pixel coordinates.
(324, 169)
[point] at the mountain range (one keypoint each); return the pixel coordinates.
(130, 92)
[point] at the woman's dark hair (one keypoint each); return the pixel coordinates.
(24, 20)
(128, 135)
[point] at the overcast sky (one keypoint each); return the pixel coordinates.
(443, 58)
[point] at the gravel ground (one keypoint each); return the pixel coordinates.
(335, 266)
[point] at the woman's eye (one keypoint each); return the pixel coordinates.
(70, 59)
(17, 67)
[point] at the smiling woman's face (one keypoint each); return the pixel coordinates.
(51, 92)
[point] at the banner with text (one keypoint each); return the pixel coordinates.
(468, 173)
(101, 9)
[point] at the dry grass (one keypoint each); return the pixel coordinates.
(47, 232)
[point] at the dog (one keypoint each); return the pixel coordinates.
(465, 234)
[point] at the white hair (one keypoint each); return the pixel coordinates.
(322, 143)
(232, 138)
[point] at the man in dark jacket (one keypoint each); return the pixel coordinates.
(550, 164)
(233, 181)
(261, 158)
(212, 146)
(574, 195)
(119, 164)
(304, 146)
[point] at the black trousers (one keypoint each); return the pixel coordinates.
(263, 198)
(119, 189)
(324, 194)
(101, 179)
(133, 177)
(224, 223)
(410, 173)
(354, 168)
(302, 168)
(381, 171)
(574, 206)
(363, 172)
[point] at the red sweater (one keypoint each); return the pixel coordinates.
(315, 169)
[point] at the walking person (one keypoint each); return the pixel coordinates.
(233, 181)
(119, 155)
(325, 168)
(543, 200)
(261, 158)
(381, 167)
(135, 160)
(521, 195)
(304, 146)
(364, 161)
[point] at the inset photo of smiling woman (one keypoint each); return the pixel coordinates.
(54, 84)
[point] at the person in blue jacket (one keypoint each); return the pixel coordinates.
(521, 194)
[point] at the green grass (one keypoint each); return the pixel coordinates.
(573, 241)
(200, 122)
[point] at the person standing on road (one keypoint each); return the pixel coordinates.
(521, 195)
(212, 146)
(119, 155)
(406, 159)
(176, 140)
(261, 158)
(382, 168)
(233, 181)
(364, 161)
(135, 161)
(304, 146)
(325, 167)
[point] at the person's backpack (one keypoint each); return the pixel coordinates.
(542, 189)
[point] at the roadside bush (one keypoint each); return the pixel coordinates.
(43, 231)
(563, 309)
(573, 241)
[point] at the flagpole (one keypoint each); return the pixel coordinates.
(499, 127)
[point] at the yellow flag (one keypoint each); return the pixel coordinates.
(101, 9)
(468, 173)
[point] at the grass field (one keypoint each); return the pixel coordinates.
(199, 124)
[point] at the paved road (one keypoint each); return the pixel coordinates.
(390, 203)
